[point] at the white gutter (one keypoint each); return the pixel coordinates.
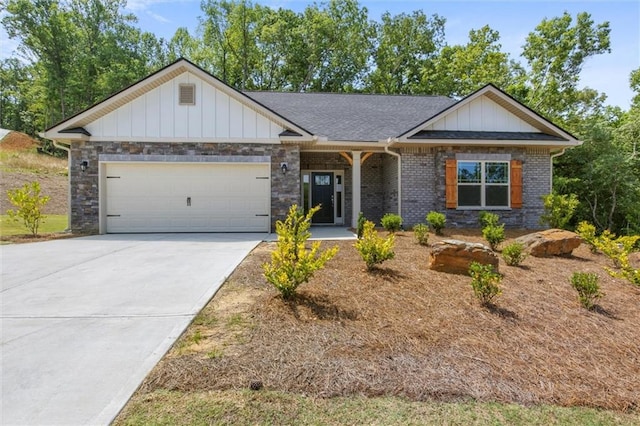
(68, 149)
(557, 154)
(389, 143)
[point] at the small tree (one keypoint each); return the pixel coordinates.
(374, 249)
(437, 221)
(558, 209)
(291, 262)
(29, 205)
(391, 222)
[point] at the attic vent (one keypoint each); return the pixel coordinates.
(187, 94)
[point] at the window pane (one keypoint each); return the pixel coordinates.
(469, 195)
(322, 180)
(497, 196)
(469, 172)
(496, 173)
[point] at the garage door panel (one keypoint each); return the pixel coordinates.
(154, 197)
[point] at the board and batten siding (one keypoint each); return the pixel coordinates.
(482, 115)
(158, 115)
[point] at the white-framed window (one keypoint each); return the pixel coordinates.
(483, 184)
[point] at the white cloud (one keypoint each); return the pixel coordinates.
(157, 17)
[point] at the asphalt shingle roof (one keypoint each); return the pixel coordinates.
(353, 117)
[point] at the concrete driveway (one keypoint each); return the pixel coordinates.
(84, 320)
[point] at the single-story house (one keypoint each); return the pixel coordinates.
(181, 151)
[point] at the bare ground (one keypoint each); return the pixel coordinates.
(22, 165)
(407, 331)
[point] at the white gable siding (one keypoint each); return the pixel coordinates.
(157, 115)
(483, 115)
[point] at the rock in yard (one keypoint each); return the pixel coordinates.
(552, 242)
(454, 256)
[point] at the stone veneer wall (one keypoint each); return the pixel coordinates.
(535, 182)
(85, 207)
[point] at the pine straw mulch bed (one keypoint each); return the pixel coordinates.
(407, 331)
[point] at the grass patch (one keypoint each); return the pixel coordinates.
(52, 223)
(268, 407)
(32, 162)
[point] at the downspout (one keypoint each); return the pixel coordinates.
(68, 149)
(553, 156)
(389, 143)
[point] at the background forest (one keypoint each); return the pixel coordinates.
(73, 53)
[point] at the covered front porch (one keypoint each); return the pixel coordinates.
(345, 183)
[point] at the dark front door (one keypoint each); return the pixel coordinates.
(322, 193)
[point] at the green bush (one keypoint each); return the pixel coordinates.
(586, 284)
(421, 234)
(488, 219)
(513, 254)
(618, 250)
(558, 209)
(391, 222)
(374, 249)
(291, 262)
(437, 221)
(360, 224)
(29, 205)
(484, 281)
(494, 235)
(588, 234)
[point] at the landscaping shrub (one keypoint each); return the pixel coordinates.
(558, 209)
(488, 219)
(391, 222)
(436, 221)
(513, 254)
(618, 250)
(374, 249)
(586, 284)
(360, 224)
(484, 281)
(29, 205)
(291, 262)
(494, 234)
(421, 234)
(588, 234)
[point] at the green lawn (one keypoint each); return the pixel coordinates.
(267, 407)
(52, 223)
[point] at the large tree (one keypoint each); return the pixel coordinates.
(555, 53)
(404, 53)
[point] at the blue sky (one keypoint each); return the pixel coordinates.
(513, 19)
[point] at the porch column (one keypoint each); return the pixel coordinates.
(355, 187)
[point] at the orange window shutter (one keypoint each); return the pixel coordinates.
(451, 184)
(516, 184)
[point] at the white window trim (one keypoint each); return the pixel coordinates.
(483, 184)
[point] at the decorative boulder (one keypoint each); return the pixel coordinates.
(455, 257)
(552, 242)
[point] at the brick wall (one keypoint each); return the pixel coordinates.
(390, 184)
(418, 185)
(85, 204)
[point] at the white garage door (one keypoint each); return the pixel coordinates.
(194, 197)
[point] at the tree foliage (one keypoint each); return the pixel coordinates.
(29, 205)
(73, 53)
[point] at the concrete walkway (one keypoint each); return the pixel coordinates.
(84, 320)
